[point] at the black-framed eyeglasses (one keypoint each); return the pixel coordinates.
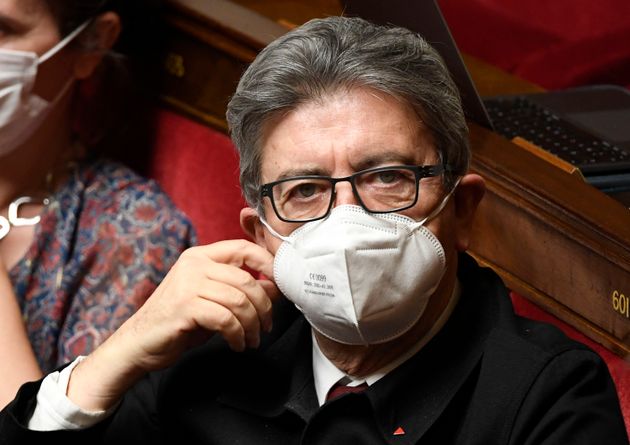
(378, 190)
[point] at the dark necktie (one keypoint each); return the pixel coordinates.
(339, 390)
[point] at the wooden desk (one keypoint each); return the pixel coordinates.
(553, 238)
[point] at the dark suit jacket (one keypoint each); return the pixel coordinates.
(489, 377)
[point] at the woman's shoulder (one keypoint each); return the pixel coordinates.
(115, 193)
(103, 177)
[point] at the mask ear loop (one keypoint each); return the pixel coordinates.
(54, 50)
(440, 207)
(288, 239)
(273, 232)
(62, 43)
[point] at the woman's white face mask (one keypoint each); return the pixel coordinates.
(22, 111)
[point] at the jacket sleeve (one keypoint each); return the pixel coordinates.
(134, 421)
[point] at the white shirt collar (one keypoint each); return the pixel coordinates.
(326, 374)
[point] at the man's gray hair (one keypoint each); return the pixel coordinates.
(327, 55)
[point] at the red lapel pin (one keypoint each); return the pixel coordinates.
(399, 431)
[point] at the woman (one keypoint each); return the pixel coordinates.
(83, 241)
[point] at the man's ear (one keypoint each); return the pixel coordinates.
(251, 225)
(469, 192)
(102, 35)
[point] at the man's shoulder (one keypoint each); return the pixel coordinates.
(513, 345)
(527, 346)
(543, 378)
(529, 375)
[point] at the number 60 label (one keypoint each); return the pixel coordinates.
(621, 303)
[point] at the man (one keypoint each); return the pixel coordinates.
(354, 162)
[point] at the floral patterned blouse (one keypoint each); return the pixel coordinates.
(103, 244)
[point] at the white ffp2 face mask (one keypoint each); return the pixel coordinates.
(360, 278)
(21, 111)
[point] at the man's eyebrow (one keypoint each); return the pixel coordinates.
(302, 171)
(376, 160)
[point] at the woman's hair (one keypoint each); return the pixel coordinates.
(324, 56)
(112, 115)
